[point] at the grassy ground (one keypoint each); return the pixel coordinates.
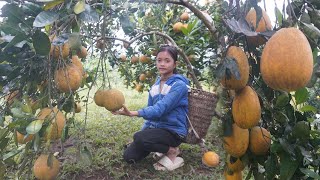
(105, 136)
(95, 146)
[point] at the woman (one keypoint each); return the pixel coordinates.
(165, 126)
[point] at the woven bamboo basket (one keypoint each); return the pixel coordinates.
(202, 106)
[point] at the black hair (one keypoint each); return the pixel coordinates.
(172, 51)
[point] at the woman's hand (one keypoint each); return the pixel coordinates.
(125, 112)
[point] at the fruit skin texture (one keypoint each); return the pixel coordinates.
(236, 144)
(142, 77)
(246, 110)
(235, 166)
(210, 159)
(134, 59)
(76, 61)
(139, 87)
(287, 61)
(177, 27)
(21, 140)
(41, 169)
(259, 141)
(243, 66)
(113, 99)
(263, 25)
(144, 59)
(55, 51)
(57, 122)
(68, 76)
(98, 97)
(82, 52)
(184, 16)
(123, 57)
(234, 176)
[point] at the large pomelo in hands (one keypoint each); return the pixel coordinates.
(113, 99)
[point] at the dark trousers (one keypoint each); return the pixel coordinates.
(150, 140)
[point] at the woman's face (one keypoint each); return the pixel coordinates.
(165, 63)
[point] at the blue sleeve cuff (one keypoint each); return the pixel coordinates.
(141, 113)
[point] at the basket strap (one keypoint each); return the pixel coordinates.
(195, 132)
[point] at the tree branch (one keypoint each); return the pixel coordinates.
(202, 17)
(181, 52)
(192, 8)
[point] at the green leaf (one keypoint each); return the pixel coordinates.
(4, 143)
(45, 18)
(13, 152)
(240, 26)
(228, 69)
(52, 4)
(41, 43)
(287, 166)
(310, 173)
(2, 170)
(65, 134)
(272, 166)
(278, 16)
(18, 40)
(305, 18)
(3, 133)
(90, 15)
(301, 130)
(26, 108)
(85, 156)
(311, 31)
(74, 41)
(31, 9)
(79, 7)
(5, 69)
(1, 120)
(50, 160)
(308, 108)
(301, 95)
(282, 100)
(126, 24)
(45, 0)
(36, 142)
(314, 77)
(34, 126)
(227, 126)
(9, 28)
(13, 12)
(17, 113)
(280, 117)
(315, 17)
(289, 148)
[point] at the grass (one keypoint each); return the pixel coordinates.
(105, 135)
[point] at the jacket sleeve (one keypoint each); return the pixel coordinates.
(167, 103)
(150, 103)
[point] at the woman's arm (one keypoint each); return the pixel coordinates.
(170, 101)
(126, 112)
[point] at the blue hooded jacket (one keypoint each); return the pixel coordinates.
(168, 109)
